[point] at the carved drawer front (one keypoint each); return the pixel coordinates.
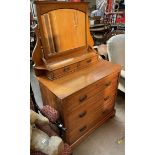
(83, 96)
(87, 62)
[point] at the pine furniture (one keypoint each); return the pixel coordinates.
(72, 78)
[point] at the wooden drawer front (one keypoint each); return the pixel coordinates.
(62, 71)
(110, 91)
(83, 99)
(84, 96)
(87, 62)
(105, 106)
(78, 132)
(71, 68)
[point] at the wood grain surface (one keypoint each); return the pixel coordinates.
(82, 88)
(74, 82)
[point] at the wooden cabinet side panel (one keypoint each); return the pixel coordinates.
(49, 98)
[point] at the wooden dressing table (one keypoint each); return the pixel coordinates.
(72, 78)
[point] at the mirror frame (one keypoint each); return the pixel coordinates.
(43, 7)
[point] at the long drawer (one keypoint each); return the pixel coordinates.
(71, 68)
(85, 95)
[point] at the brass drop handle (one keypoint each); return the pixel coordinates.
(82, 114)
(66, 69)
(108, 84)
(105, 99)
(83, 128)
(82, 98)
(88, 61)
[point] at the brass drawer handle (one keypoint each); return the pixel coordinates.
(82, 114)
(83, 128)
(88, 61)
(105, 99)
(82, 98)
(66, 69)
(108, 84)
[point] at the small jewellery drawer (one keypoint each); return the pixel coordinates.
(62, 71)
(87, 62)
(83, 96)
(71, 68)
(65, 70)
